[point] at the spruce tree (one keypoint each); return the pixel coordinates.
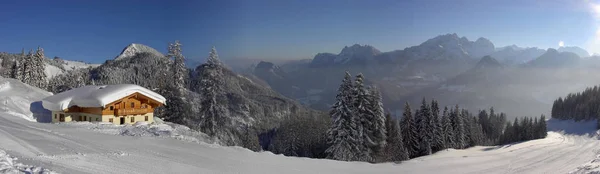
(377, 129)
(343, 135)
(409, 132)
(458, 125)
(212, 111)
(38, 75)
(438, 136)
(508, 135)
(177, 111)
(365, 116)
(543, 127)
(423, 118)
(448, 130)
(179, 69)
(16, 70)
(27, 68)
(394, 148)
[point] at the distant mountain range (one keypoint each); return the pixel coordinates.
(450, 68)
(453, 69)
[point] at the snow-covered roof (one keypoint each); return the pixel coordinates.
(96, 96)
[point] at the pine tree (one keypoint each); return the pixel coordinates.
(343, 135)
(448, 130)
(425, 131)
(364, 114)
(508, 136)
(212, 111)
(179, 69)
(177, 111)
(476, 137)
(438, 136)
(409, 132)
(16, 70)
(38, 75)
(394, 148)
(377, 129)
(543, 127)
(516, 136)
(27, 68)
(458, 125)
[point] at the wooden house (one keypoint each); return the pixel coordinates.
(117, 104)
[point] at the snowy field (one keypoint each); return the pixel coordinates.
(34, 147)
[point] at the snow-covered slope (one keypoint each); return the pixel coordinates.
(91, 148)
(10, 165)
(52, 69)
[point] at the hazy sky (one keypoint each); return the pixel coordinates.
(97, 30)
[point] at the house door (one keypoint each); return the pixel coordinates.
(122, 120)
(61, 118)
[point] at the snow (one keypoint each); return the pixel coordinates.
(96, 96)
(52, 71)
(134, 48)
(9, 164)
(82, 147)
(69, 65)
(144, 129)
(19, 99)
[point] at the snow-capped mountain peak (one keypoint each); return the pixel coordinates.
(134, 48)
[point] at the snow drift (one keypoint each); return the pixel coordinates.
(21, 100)
(10, 165)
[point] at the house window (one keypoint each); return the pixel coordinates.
(80, 118)
(97, 119)
(84, 118)
(55, 116)
(146, 118)
(132, 119)
(111, 108)
(132, 105)
(110, 120)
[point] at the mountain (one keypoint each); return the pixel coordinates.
(488, 62)
(249, 101)
(554, 59)
(577, 50)
(450, 46)
(353, 55)
(269, 70)
(134, 48)
(514, 55)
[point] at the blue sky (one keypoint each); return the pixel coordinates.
(94, 31)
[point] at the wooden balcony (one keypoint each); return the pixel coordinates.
(136, 111)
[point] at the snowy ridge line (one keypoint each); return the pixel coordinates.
(9, 164)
